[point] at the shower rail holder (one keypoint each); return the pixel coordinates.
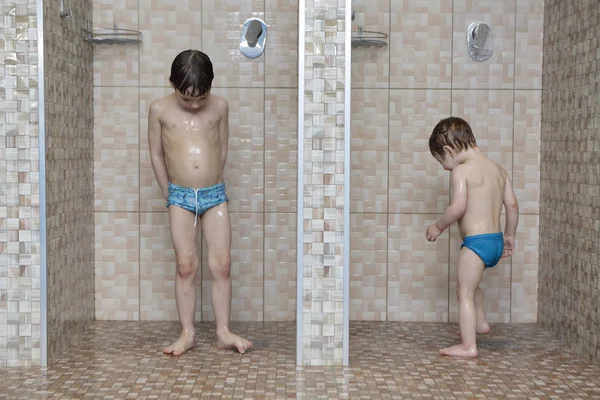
(114, 35)
(361, 38)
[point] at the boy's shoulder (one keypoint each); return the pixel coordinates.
(158, 105)
(162, 100)
(219, 102)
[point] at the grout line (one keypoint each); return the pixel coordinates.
(512, 171)
(264, 219)
(287, 212)
(200, 273)
(449, 176)
(139, 182)
(387, 249)
(364, 87)
(414, 89)
(213, 87)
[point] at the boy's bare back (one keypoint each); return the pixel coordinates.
(194, 142)
(486, 184)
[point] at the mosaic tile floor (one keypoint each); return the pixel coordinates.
(121, 360)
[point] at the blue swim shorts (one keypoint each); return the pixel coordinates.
(197, 201)
(488, 247)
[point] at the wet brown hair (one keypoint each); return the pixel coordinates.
(454, 132)
(192, 73)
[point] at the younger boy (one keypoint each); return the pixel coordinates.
(479, 189)
(188, 133)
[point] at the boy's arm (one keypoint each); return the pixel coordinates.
(157, 156)
(224, 132)
(512, 210)
(458, 204)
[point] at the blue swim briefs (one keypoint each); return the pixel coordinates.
(488, 247)
(197, 201)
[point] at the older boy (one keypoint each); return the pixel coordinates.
(188, 133)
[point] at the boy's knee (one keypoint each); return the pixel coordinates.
(220, 267)
(464, 293)
(187, 268)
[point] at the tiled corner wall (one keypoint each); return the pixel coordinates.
(134, 261)
(399, 93)
(19, 186)
(69, 174)
(570, 190)
(323, 183)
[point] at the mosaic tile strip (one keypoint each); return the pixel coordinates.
(569, 281)
(69, 175)
(19, 186)
(323, 170)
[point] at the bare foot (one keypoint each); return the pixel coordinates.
(483, 328)
(460, 350)
(183, 344)
(227, 340)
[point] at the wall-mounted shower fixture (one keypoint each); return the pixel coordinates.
(65, 12)
(362, 38)
(253, 38)
(480, 41)
(112, 35)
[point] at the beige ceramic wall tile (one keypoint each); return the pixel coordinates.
(157, 269)
(116, 149)
(106, 13)
(421, 44)
(221, 28)
(116, 65)
(245, 169)
(529, 44)
(247, 269)
(280, 266)
(490, 115)
(417, 270)
(498, 71)
(168, 28)
(369, 168)
(371, 64)
(281, 53)
(418, 184)
(524, 290)
(281, 150)
(526, 164)
(117, 266)
(368, 267)
(150, 195)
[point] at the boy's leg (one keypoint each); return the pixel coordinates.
(217, 234)
(482, 324)
(184, 235)
(470, 271)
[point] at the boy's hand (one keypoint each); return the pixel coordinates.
(432, 233)
(165, 194)
(509, 246)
